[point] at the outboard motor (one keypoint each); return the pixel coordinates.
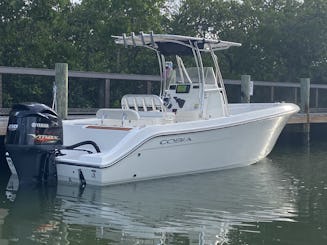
(34, 133)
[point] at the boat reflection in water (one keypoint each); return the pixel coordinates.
(196, 209)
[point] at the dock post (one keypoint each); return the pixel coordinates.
(305, 103)
(148, 87)
(104, 93)
(317, 98)
(107, 93)
(246, 88)
(61, 81)
(272, 94)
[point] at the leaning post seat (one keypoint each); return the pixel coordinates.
(147, 106)
(142, 102)
(117, 113)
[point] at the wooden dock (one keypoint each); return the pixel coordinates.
(299, 118)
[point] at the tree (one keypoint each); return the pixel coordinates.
(93, 24)
(282, 39)
(34, 34)
(40, 33)
(95, 21)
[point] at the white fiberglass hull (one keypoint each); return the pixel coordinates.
(183, 148)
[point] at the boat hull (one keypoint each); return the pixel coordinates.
(174, 154)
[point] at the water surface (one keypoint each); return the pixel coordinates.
(280, 200)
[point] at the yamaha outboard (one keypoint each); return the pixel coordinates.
(34, 133)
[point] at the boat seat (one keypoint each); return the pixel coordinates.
(117, 113)
(142, 102)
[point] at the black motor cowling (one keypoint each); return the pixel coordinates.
(34, 132)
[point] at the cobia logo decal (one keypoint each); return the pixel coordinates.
(175, 141)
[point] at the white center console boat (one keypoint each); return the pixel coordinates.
(188, 128)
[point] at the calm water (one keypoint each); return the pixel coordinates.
(281, 200)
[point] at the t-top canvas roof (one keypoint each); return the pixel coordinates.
(168, 44)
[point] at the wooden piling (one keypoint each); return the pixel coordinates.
(61, 80)
(305, 103)
(272, 94)
(104, 94)
(148, 87)
(295, 95)
(107, 93)
(317, 98)
(245, 88)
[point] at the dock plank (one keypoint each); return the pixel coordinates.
(301, 118)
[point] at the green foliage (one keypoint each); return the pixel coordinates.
(282, 40)
(41, 33)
